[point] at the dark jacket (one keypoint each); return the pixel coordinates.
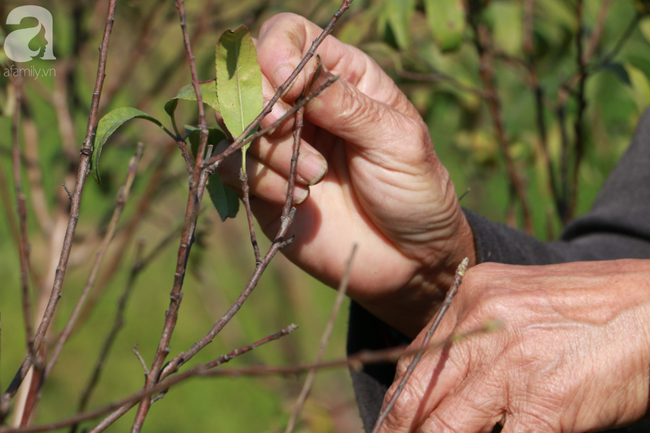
(618, 226)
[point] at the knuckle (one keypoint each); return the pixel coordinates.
(402, 365)
(437, 424)
(356, 109)
(399, 418)
(280, 20)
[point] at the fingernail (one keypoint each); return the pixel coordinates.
(312, 168)
(300, 195)
(282, 72)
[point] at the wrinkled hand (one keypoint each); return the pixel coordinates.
(573, 355)
(367, 174)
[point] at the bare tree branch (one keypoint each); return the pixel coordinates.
(243, 177)
(486, 68)
(23, 245)
(199, 179)
(84, 166)
(311, 376)
(357, 361)
(122, 197)
(460, 272)
(138, 266)
(238, 143)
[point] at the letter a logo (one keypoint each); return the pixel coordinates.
(17, 42)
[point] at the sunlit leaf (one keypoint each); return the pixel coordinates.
(107, 126)
(208, 91)
(640, 87)
(446, 19)
(644, 26)
(239, 82)
(223, 198)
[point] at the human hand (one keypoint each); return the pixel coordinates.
(367, 174)
(573, 354)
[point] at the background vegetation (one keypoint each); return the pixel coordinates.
(441, 73)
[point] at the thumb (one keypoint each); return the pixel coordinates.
(363, 122)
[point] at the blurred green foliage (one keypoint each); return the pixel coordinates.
(147, 67)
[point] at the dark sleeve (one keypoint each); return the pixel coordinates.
(617, 226)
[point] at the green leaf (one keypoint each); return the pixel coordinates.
(508, 26)
(639, 87)
(447, 22)
(239, 82)
(107, 126)
(398, 14)
(215, 136)
(618, 70)
(644, 26)
(223, 198)
(208, 91)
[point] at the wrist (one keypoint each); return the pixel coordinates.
(409, 308)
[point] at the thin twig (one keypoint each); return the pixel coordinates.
(288, 212)
(463, 195)
(34, 174)
(139, 49)
(538, 91)
(356, 362)
(183, 357)
(438, 76)
(118, 323)
(138, 266)
(460, 272)
(238, 143)
(623, 39)
(233, 148)
(311, 376)
(144, 364)
(582, 105)
(199, 179)
(128, 233)
(114, 416)
(84, 168)
(238, 352)
(8, 207)
(486, 63)
(23, 246)
(243, 177)
(597, 32)
(121, 200)
(67, 191)
(122, 197)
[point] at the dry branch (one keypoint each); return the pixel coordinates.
(357, 361)
(84, 166)
(122, 197)
(284, 87)
(243, 177)
(311, 376)
(197, 186)
(138, 266)
(23, 245)
(458, 279)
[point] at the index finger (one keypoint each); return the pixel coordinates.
(285, 39)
